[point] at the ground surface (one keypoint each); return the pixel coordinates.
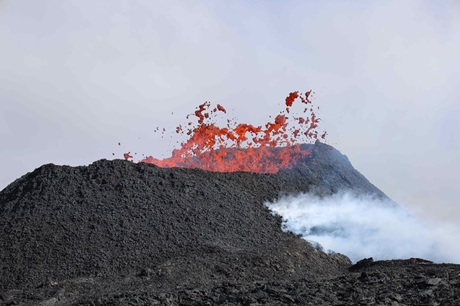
(119, 233)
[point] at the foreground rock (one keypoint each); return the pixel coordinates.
(118, 233)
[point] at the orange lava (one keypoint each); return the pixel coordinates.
(127, 155)
(245, 147)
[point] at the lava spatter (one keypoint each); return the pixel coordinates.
(242, 146)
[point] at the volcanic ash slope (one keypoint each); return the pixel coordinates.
(117, 220)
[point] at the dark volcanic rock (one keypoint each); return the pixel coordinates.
(116, 233)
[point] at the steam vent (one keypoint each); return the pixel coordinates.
(124, 233)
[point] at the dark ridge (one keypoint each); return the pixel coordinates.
(116, 232)
(117, 218)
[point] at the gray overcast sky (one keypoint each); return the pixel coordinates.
(77, 77)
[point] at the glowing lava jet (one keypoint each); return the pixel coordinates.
(245, 147)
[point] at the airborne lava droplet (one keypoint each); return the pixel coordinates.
(127, 155)
(221, 108)
(244, 147)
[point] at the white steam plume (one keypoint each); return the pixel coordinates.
(363, 226)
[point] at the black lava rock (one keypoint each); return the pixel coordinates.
(120, 233)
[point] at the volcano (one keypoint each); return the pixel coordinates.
(124, 233)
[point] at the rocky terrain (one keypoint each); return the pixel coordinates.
(121, 233)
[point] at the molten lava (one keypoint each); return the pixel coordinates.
(245, 147)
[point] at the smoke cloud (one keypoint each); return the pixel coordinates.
(364, 226)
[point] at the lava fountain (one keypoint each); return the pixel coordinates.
(245, 147)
